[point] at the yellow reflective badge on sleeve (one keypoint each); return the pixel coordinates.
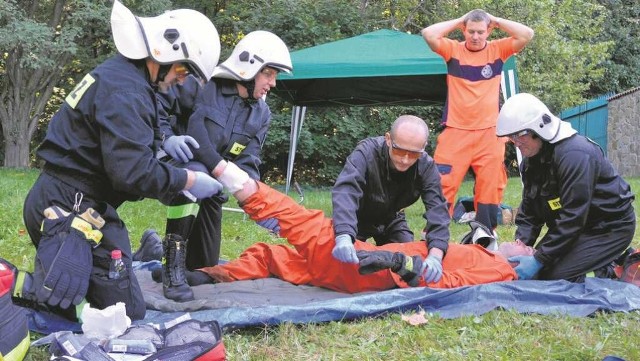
(237, 148)
(74, 97)
(554, 204)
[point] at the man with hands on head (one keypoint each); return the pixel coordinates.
(570, 187)
(474, 68)
(381, 177)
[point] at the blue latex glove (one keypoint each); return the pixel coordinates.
(432, 269)
(177, 147)
(271, 224)
(527, 268)
(63, 264)
(344, 251)
(204, 186)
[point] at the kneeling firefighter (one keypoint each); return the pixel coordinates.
(99, 152)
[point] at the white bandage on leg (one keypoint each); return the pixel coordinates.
(233, 178)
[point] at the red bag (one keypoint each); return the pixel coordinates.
(631, 269)
(190, 340)
(14, 330)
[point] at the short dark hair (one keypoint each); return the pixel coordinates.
(476, 16)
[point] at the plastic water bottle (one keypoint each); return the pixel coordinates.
(117, 267)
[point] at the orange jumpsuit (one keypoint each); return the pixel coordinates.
(310, 260)
(470, 115)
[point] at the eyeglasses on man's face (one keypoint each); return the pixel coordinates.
(401, 152)
(182, 70)
(515, 137)
(269, 73)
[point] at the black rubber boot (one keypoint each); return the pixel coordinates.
(150, 247)
(174, 283)
(194, 278)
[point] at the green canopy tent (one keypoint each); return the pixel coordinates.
(381, 68)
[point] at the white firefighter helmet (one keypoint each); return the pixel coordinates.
(255, 51)
(524, 111)
(177, 36)
(481, 235)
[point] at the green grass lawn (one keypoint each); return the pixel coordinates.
(497, 335)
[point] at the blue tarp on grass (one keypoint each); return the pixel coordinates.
(539, 297)
(272, 301)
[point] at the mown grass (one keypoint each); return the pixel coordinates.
(497, 335)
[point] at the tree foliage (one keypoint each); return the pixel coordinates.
(622, 26)
(46, 46)
(581, 48)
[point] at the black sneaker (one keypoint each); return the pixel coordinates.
(150, 247)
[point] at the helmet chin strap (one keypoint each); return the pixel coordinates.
(250, 85)
(163, 70)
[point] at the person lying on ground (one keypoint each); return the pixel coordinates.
(310, 260)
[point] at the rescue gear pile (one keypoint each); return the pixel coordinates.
(188, 340)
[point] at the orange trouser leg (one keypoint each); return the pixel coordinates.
(453, 155)
(488, 165)
(456, 152)
(263, 260)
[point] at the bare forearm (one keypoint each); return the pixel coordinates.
(520, 33)
(248, 188)
(433, 33)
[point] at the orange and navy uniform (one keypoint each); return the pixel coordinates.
(473, 81)
(309, 261)
(470, 115)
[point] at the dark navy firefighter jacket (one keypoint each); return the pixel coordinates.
(570, 187)
(102, 138)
